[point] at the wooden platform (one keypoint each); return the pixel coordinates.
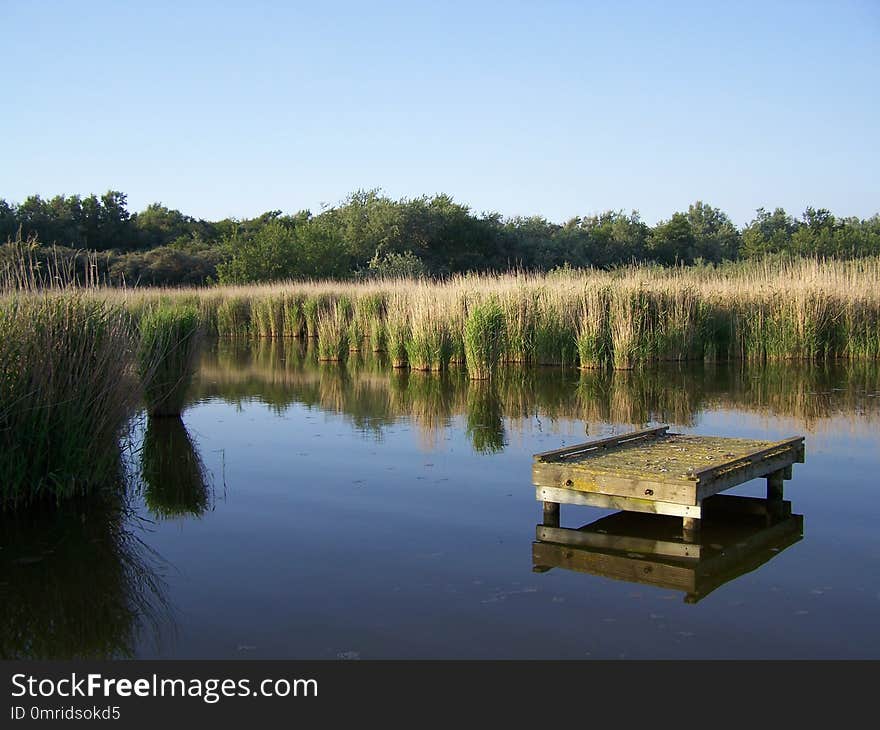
(739, 535)
(659, 472)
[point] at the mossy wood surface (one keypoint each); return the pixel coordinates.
(657, 466)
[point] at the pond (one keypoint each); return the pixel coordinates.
(310, 510)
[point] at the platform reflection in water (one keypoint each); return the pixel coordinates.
(738, 535)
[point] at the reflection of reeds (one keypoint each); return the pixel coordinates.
(76, 585)
(373, 396)
(430, 403)
(485, 422)
(173, 475)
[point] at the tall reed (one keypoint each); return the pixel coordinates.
(332, 333)
(267, 315)
(398, 332)
(484, 339)
(66, 395)
(294, 318)
(520, 310)
(170, 341)
(594, 335)
(430, 343)
(234, 317)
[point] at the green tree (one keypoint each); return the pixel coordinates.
(768, 233)
(673, 241)
(716, 238)
(267, 255)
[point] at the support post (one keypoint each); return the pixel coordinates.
(775, 483)
(551, 514)
(690, 526)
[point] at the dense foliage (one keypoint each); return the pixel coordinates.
(369, 234)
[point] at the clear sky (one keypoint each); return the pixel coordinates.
(551, 108)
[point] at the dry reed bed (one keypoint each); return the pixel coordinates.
(802, 309)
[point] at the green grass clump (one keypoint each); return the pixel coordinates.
(234, 317)
(859, 326)
(378, 335)
(294, 319)
(366, 321)
(555, 330)
(520, 315)
(676, 325)
(312, 307)
(631, 328)
(66, 396)
(167, 357)
(357, 325)
(398, 332)
(268, 316)
(430, 344)
(484, 339)
(332, 330)
(594, 335)
(173, 475)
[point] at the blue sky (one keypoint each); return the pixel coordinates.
(550, 108)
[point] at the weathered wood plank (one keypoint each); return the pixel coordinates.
(572, 496)
(787, 446)
(620, 543)
(570, 451)
(741, 476)
(562, 476)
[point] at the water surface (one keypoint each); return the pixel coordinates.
(306, 510)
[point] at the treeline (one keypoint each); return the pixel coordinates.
(370, 234)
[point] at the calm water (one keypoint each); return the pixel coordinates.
(320, 511)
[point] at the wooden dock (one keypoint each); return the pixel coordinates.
(659, 472)
(740, 535)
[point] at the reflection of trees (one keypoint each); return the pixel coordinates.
(485, 422)
(75, 583)
(174, 477)
(372, 395)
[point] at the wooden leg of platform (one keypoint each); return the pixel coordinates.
(690, 526)
(775, 482)
(551, 514)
